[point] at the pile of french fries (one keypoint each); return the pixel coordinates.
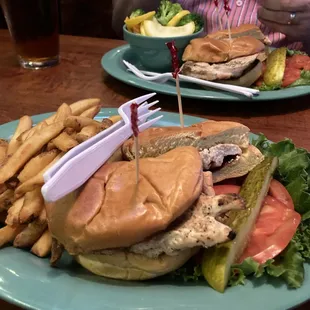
(23, 161)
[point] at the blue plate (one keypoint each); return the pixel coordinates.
(30, 282)
(112, 63)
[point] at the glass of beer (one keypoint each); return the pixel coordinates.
(33, 25)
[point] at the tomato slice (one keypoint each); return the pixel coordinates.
(274, 229)
(226, 189)
(297, 61)
(290, 76)
(278, 191)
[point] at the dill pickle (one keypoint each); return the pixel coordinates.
(275, 67)
(217, 260)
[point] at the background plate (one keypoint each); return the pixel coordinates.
(30, 282)
(112, 63)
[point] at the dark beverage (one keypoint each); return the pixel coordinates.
(33, 25)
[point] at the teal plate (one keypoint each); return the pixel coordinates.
(31, 283)
(112, 63)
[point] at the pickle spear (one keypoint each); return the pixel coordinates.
(217, 261)
(275, 67)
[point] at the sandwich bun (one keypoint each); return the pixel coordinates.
(159, 140)
(130, 266)
(110, 211)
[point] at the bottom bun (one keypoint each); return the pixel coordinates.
(129, 266)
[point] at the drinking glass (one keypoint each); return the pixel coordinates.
(33, 25)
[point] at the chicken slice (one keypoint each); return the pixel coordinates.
(199, 227)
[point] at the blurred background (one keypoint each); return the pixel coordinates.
(90, 18)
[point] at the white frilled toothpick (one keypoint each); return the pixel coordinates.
(227, 10)
(175, 74)
(135, 132)
(216, 2)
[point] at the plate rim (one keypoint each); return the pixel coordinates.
(104, 112)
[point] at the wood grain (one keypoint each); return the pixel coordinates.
(79, 75)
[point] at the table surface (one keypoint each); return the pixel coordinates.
(79, 75)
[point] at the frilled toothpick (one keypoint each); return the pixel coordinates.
(227, 10)
(175, 74)
(216, 2)
(135, 132)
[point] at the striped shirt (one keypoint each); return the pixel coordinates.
(242, 12)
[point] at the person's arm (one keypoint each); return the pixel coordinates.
(122, 8)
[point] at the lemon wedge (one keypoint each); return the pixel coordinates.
(153, 28)
(175, 20)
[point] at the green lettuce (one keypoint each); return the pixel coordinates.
(303, 80)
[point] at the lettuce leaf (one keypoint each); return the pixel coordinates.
(303, 80)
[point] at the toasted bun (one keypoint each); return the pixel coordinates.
(130, 266)
(249, 159)
(216, 51)
(159, 140)
(242, 30)
(111, 211)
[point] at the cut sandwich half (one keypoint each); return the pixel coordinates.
(224, 147)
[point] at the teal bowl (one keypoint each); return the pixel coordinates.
(152, 51)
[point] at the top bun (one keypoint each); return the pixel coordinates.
(111, 211)
(212, 50)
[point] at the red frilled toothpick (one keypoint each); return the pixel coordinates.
(216, 2)
(175, 74)
(135, 132)
(227, 10)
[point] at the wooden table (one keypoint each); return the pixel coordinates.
(79, 75)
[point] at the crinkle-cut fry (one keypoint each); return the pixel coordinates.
(106, 123)
(57, 250)
(24, 124)
(3, 215)
(91, 112)
(32, 232)
(36, 164)
(115, 118)
(62, 113)
(78, 122)
(30, 147)
(43, 246)
(8, 234)
(12, 218)
(87, 132)
(32, 206)
(80, 106)
(3, 150)
(6, 199)
(64, 142)
(35, 181)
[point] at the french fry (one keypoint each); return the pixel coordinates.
(12, 218)
(115, 118)
(43, 246)
(51, 146)
(64, 142)
(6, 199)
(36, 164)
(3, 149)
(32, 232)
(87, 132)
(25, 123)
(30, 147)
(80, 106)
(69, 131)
(78, 122)
(91, 112)
(106, 123)
(35, 181)
(3, 188)
(8, 234)
(32, 206)
(62, 113)
(57, 250)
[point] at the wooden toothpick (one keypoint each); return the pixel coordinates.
(135, 131)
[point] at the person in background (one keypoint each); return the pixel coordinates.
(284, 22)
